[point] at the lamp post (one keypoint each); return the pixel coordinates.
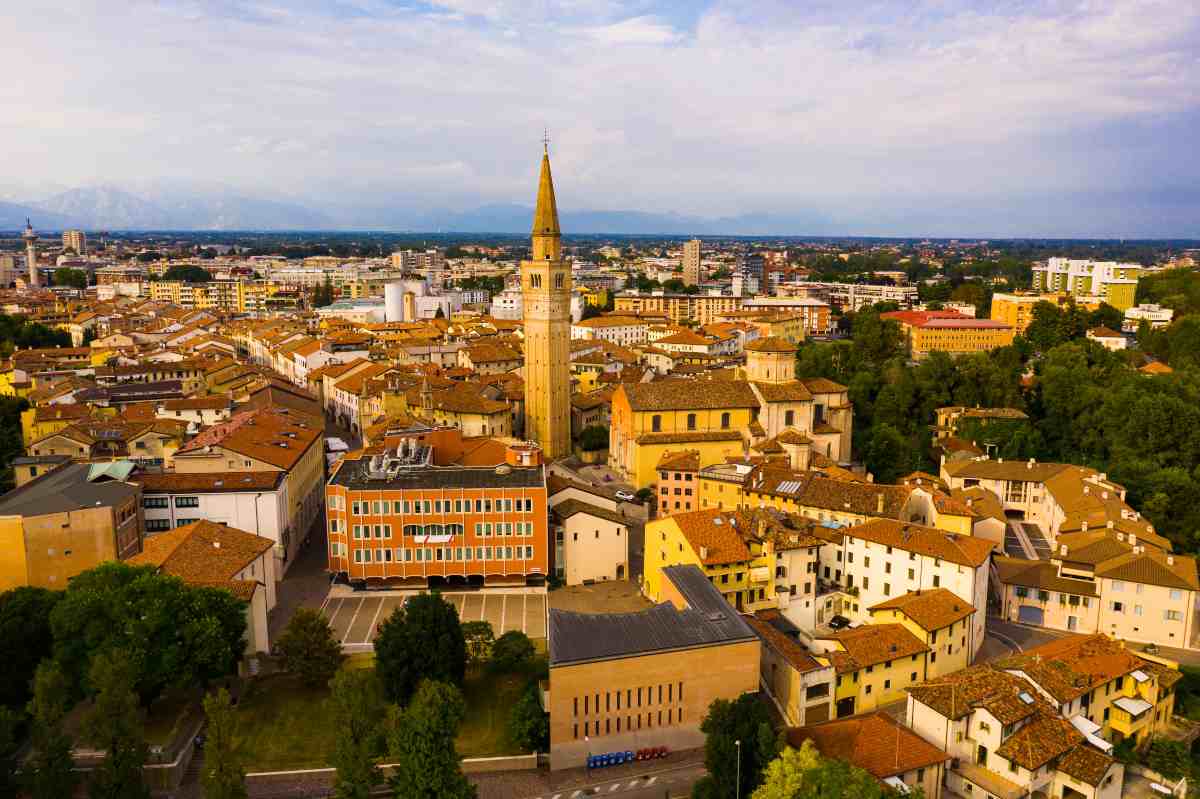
(588, 742)
(737, 787)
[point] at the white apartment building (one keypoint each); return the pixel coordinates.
(623, 330)
(256, 502)
(882, 558)
(1153, 313)
(1107, 281)
(508, 304)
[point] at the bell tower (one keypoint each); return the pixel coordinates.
(546, 296)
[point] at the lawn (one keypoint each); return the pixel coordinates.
(284, 725)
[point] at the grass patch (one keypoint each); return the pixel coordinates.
(281, 724)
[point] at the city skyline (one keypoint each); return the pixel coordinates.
(962, 119)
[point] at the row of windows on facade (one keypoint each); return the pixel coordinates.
(482, 530)
(433, 554)
(418, 507)
(159, 525)
(686, 492)
(164, 502)
(612, 699)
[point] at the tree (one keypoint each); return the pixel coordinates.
(114, 725)
(1169, 758)
(746, 720)
(784, 776)
(49, 772)
(188, 273)
(9, 722)
(591, 312)
(528, 724)
(224, 776)
(594, 437)
(423, 639)
(172, 634)
(512, 652)
(479, 639)
(804, 774)
(309, 649)
(25, 629)
(358, 709)
(422, 743)
(1106, 316)
(75, 278)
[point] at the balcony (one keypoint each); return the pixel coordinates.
(1130, 715)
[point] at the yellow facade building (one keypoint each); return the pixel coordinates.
(875, 664)
(938, 618)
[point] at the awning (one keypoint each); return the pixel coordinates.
(432, 539)
(1134, 707)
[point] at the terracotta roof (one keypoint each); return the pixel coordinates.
(962, 549)
(689, 438)
(1069, 667)
(669, 395)
(1085, 764)
(1041, 574)
(717, 531)
(268, 435)
(683, 461)
(1156, 368)
(202, 552)
(1040, 741)
(570, 507)
(685, 337)
(1104, 332)
(791, 391)
(206, 482)
(957, 694)
(818, 490)
(771, 344)
(1153, 568)
(820, 385)
(876, 743)
(872, 644)
(213, 402)
(930, 609)
(784, 645)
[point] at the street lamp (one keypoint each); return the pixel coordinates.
(588, 741)
(738, 785)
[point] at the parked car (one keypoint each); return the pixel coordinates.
(626, 496)
(839, 623)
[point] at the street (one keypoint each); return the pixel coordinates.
(673, 782)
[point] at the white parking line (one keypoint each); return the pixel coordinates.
(616, 787)
(375, 620)
(350, 626)
(632, 784)
(524, 611)
(651, 781)
(576, 794)
(503, 613)
(556, 796)
(483, 609)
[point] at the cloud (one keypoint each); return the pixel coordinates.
(891, 110)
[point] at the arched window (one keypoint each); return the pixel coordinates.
(558, 280)
(433, 529)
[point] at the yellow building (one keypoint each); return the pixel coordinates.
(66, 521)
(939, 619)
(597, 297)
(875, 665)
(546, 292)
(1016, 310)
(713, 540)
(951, 333)
(44, 420)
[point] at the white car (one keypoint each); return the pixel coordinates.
(625, 496)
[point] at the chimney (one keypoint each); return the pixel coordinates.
(1132, 539)
(1109, 524)
(879, 503)
(1170, 560)
(1083, 526)
(1062, 549)
(703, 553)
(1120, 536)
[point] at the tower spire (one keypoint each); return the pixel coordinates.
(546, 233)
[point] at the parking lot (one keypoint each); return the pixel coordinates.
(356, 617)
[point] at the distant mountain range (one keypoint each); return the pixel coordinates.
(113, 208)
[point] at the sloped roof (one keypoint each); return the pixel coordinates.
(202, 552)
(876, 743)
(872, 644)
(930, 609)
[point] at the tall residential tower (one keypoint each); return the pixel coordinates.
(546, 295)
(691, 262)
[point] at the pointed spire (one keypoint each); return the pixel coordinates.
(545, 217)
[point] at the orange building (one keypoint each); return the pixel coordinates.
(412, 512)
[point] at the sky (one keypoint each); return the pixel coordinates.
(924, 117)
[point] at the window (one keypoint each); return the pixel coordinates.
(187, 502)
(157, 525)
(1118, 585)
(655, 425)
(691, 421)
(1022, 591)
(724, 423)
(1172, 615)
(1176, 595)
(1118, 607)
(154, 502)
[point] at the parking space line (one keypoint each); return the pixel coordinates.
(503, 611)
(524, 611)
(374, 621)
(483, 610)
(352, 618)
(336, 610)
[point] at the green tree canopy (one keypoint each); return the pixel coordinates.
(115, 725)
(188, 273)
(422, 744)
(49, 772)
(528, 724)
(745, 720)
(172, 634)
(422, 640)
(25, 629)
(512, 651)
(75, 278)
(358, 713)
(479, 638)
(309, 649)
(593, 438)
(224, 776)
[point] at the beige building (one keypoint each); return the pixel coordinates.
(593, 543)
(66, 521)
(546, 298)
(629, 681)
(800, 684)
(691, 262)
(75, 240)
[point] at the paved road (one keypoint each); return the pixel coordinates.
(1024, 636)
(666, 784)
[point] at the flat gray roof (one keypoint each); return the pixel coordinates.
(62, 490)
(707, 621)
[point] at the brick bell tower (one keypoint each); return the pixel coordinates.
(546, 295)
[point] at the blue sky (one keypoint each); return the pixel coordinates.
(921, 118)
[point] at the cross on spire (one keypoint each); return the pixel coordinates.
(546, 140)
